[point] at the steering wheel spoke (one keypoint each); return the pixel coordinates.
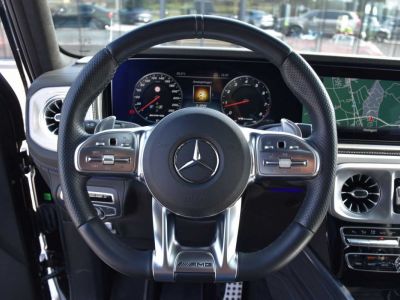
(282, 155)
(216, 262)
(112, 152)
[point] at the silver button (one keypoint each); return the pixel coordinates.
(108, 159)
(299, 163)
(397, 195)
(93, 159)
(270, 163)
(122, 160)
(285, 163)
(373, 242)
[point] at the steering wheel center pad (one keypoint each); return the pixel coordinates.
(178, 144)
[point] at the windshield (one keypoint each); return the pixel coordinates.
(339, 27)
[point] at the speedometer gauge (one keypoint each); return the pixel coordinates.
(156, 95)
(246, 100)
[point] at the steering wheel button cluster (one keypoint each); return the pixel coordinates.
(109, 151)
(296, 158)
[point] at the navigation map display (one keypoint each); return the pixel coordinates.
(363, 105)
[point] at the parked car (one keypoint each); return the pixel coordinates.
(370, 27)
(321, 21)
(259, 18)
(133, 16)
(82, 15)
(390, 29)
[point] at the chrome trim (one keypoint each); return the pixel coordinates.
(368, 159)
(36, 125)
(221, 255)
(384, 174)
(369, 147)
(91, 194)
(141, 145)
(343, 236)
(386, 243)
(196, 159)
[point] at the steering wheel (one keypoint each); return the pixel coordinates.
(197, 162)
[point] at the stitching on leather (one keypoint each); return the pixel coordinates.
(86, 222)
(202, 26)
(304, 227)
(284, 61)
(195, 27)
(112, 56)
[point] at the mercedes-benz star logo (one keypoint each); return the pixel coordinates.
(196, 161)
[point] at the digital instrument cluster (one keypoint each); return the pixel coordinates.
(146, 90)
(245, 99)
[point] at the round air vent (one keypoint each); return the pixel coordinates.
(52, 114)
(360, 193)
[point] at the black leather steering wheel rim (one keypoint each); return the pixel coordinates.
(299, 77)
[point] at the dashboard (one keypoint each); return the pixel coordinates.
(253, 94)
(366, 99)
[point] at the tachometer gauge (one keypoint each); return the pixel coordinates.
(156, 95)
(246, 100)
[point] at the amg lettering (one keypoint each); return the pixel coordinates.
(195, 264)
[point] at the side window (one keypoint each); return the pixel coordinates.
(9, 69)
(332, 15)
(313, 14)
(320, 15)
(83, 9)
